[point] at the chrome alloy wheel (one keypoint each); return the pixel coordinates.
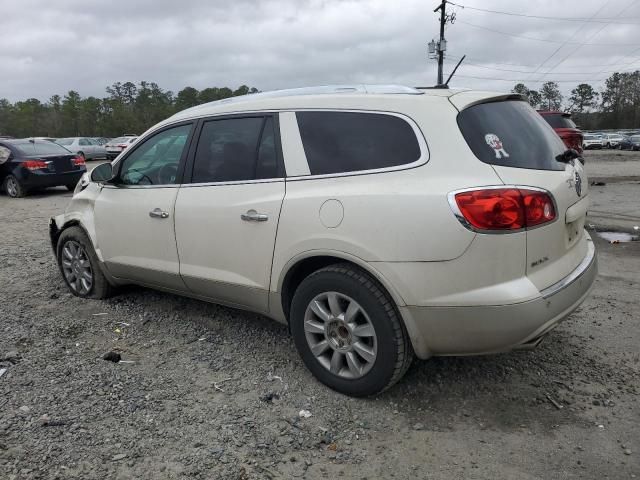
(12, 187)
(76, 267)
(340, 335)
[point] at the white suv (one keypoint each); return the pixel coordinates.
(376, 221)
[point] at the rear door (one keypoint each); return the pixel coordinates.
(523, 150)
(227, 216)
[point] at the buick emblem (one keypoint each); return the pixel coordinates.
(578, 183)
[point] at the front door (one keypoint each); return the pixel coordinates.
(227, 217)
(134, 213)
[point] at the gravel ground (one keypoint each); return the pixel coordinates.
(212, 392)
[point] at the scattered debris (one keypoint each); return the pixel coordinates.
(127, 361)
(601, 426)
(627, 451)
(202, 339)
(119, 456)
(617, 237)
(2, 371)
(53, 296)
(217, 386)
(271, 377)
(304, 413)
(24, 410)
(553, 402)
(418, 426)
(117, 330)
(114, 357)
(269, 397)
(44, 420)
(332, 446)
(598, 184)
(124, 324)
(99, 314)
(11, 357)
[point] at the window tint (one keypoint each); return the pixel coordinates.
(511, 134)
(155, 161)
(41, 148)
(336, 142)
(559, 121)
(236, 149)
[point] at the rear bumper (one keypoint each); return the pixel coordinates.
(473, 330)
(43, 180)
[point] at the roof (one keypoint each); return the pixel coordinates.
(327, 96)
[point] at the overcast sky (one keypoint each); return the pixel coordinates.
(49, 47)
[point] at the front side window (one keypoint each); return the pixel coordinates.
(64, 141)
(338, 142)
(155, 161)
(236, 149)
(84, 142)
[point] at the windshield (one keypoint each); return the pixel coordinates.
(559, 121)
(511, 134)
(41, 148)
(592, 137)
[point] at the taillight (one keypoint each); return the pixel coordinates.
(34, 164)
(78, 161)
(123, 146)
(508, 208)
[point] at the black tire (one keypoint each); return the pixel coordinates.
(13, 188)
(71, 186)
(100, 286)
(394, 351)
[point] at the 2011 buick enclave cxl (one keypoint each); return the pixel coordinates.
(378, 222)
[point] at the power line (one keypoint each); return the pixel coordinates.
(542, 17)
(591, 37)
(525, 37)
(532, 71)
(612, 64)
(515, 80)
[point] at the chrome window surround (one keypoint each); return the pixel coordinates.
(451, 197)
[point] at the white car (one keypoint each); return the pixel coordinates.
(592, 141)
(611, 140)
(116, 146)
(376, 221)
(87, 148)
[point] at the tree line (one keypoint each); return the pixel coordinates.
(127, 108)
(616, 106)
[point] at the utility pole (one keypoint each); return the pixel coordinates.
(437, 49)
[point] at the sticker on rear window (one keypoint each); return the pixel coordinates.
(494, 142)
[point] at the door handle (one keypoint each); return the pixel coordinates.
(157, 213)
(253, 216)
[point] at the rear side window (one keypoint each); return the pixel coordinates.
(559, 121)
(236, 149)
(339, 142)
(511, 134)
(41, 148)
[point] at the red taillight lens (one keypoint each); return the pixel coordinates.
(505, 208)
(34, 164)
(78, 161)
(538, 207)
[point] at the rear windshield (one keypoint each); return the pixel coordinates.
(592, 137)
(559, 121)
(511, 134)
(41, 148)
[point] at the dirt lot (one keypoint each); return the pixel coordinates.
(215, 393)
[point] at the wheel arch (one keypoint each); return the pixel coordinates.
(302, 265)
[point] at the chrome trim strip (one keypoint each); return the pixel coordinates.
(451, 198)
(584, 265)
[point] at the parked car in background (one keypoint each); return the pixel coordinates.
(29, 164)
(611, 140)
(116, 146)
(564, 126)
(286, 203)
(101, 140)
(630, 143)
(591, 141)
(86, 147)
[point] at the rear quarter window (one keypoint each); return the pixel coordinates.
(511, 134)
(340, 142)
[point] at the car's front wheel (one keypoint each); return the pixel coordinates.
(79, 265)
(347, 330)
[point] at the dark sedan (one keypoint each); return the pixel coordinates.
(28, 164)
(630, 143)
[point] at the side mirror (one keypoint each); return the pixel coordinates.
(102, 173)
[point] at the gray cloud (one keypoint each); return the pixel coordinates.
(51, 47)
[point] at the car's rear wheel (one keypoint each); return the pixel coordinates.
(13, 187)
(79, 265)
(347, 330)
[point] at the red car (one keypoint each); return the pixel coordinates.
(565, 128)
